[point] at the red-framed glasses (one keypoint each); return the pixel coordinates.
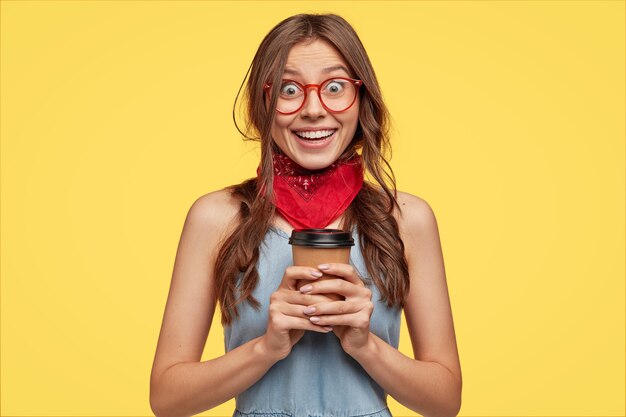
(336, 94)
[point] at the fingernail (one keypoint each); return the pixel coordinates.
(323, 266)
(309, 310)
(306, 288)
(315, 319)
(328, 329)
(316, 274)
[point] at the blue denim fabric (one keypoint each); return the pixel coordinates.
(317, 379)
(382, 413)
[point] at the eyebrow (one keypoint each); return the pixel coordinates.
(324, 70)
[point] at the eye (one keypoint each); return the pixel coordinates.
(290, 89)
(335, 87)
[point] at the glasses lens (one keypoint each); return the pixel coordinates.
(290, 97)
(337, 95)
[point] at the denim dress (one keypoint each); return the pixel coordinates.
(317, 378)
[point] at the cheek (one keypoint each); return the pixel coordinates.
(351, 120)
(282, 122)
(280, 128)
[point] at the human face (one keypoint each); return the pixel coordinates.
(312, 63)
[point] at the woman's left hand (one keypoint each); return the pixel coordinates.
(350, 318)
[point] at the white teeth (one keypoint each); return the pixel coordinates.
(317, 134)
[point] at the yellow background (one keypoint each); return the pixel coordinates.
(509, 121)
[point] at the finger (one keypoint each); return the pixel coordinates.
(335, 307)
(305, 324)
(297, 298)
(358, 320)
(292, 310)
(345, 271)
(295, 273)
(336, 286)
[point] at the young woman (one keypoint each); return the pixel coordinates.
(313, 100)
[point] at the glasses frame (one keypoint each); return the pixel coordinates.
(305, 88)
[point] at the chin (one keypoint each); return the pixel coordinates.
(314, 162)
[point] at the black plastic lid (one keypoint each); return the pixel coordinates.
(321, 238)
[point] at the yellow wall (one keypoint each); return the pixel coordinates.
(509, 121)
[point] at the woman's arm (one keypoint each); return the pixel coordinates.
(187, 389)
(181, 385)
(431, 383)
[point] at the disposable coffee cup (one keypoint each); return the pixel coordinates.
(312, 247)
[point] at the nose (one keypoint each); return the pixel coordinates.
(312, 107)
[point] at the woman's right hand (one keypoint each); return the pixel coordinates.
(287, 322)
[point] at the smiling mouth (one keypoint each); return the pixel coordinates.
(312, 136)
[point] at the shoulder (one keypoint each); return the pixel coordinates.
(415, 212)
(217, 203)
(414, 215)
(416, 220)
(216, 211)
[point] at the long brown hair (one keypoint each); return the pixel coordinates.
(371, 211)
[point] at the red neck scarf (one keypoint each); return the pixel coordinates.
(313, 199)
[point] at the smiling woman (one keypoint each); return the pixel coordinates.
(329, 348)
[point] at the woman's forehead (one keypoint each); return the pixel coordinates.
(318, 57)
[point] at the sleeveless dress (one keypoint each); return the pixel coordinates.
(317, 378)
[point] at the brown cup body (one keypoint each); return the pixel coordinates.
(313, 256)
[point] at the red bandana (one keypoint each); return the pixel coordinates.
(313, 199)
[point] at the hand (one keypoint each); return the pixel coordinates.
(351, 317)
(287, 321)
